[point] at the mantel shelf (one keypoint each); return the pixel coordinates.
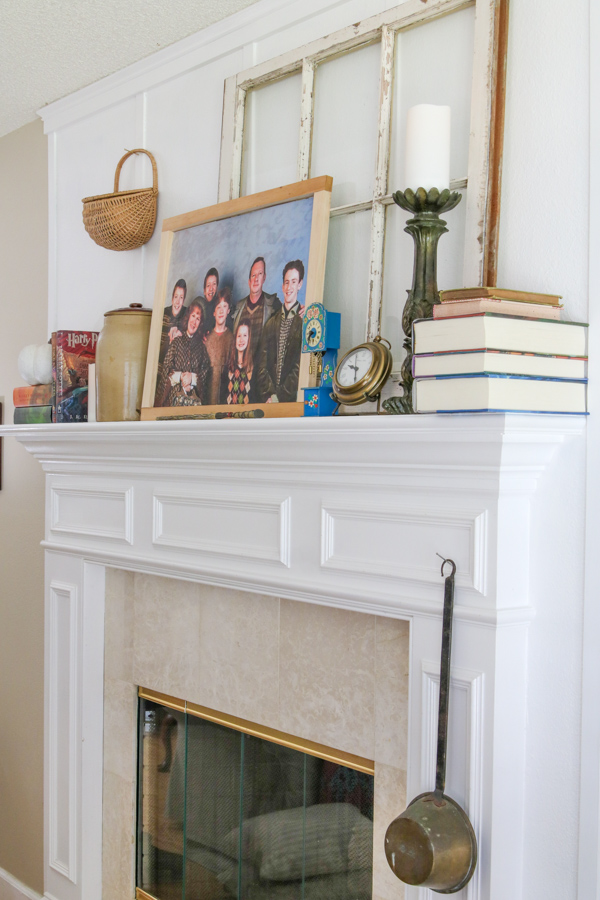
(346, 511)
(366, 439)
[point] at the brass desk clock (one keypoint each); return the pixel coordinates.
(362, 372)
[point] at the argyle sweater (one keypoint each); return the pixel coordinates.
(238, 385)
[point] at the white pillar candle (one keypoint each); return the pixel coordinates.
(427, 163)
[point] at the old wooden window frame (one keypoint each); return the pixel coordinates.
(486, 130)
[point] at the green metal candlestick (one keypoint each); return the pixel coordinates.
(426, 228)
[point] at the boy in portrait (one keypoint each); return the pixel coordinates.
(281, 343)
(219, 342)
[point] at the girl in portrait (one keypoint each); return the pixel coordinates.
(239, 370)
(186, 368)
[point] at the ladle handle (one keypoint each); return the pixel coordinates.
(442, 739)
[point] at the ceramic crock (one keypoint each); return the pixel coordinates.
(121, 363)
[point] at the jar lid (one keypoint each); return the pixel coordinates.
(135, 308)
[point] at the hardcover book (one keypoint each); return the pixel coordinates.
(498, 393)
(500, 362)
(490, 331)
(33, 395)
(32, 415)
(72, 353)
(480, 293)
(493, 305)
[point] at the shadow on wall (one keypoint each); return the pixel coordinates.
(24, 317)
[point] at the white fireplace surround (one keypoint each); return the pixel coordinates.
(347, 512)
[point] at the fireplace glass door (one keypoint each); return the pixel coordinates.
(224, 814)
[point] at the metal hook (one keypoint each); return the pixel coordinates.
(444, 561)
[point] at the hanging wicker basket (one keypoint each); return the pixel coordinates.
(122, 220)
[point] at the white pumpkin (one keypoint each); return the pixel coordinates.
(35, 364)
(42, 364)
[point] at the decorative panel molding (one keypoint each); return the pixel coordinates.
(242, 528)
(369, 501)
(105, 514)
(398, 542)
(63, 696)
(465, 738)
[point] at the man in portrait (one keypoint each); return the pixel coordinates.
(258, 306)
(281, 343)
(219, 342)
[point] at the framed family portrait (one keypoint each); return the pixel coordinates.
(232, 284)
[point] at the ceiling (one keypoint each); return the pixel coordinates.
(50, 48)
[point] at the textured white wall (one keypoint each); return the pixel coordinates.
(543, 246)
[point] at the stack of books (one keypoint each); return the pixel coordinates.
(33, 404)
(66, 399)
(491, 350)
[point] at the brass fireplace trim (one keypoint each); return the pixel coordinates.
(142, 895)
(260, 731)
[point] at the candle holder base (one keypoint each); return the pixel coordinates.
(426, 227)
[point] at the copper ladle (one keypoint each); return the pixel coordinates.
(432, 843)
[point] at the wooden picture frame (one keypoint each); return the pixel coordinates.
(217, 247)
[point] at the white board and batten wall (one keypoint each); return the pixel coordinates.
(172, 104)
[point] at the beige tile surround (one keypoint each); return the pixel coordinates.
(328, 675)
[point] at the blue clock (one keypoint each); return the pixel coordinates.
(320, 329)
(320, 338)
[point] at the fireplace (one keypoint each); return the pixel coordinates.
(333, 678)
(315, 519)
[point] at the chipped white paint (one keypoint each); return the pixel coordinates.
(388, 44)
(238, 143)
(479, 144)
(306, 119)
(381, 28)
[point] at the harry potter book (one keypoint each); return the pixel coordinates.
(32, 415)
(33, 395)
(72, 353)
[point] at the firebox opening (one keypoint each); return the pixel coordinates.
(228, 809)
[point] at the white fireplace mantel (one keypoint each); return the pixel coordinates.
(347, 512)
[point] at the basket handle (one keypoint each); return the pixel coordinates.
(127, 155)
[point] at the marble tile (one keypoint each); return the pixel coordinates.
(239, 654)
(166, 651)
(118, 838)
(390, 801)
(392, 652)
(118, 625)
(327, 676)
(120, 714)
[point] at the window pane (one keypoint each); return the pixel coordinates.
(345, 123)
(214, 758)
(347, 274)
(160, 839)
(434, 64)
(271, 134)
(399, 263)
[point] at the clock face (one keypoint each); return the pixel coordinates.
(314, 331)
(355, 366)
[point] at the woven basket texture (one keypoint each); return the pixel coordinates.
(123, 220)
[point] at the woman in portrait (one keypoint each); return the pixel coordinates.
(186, 367)
(239, 370)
